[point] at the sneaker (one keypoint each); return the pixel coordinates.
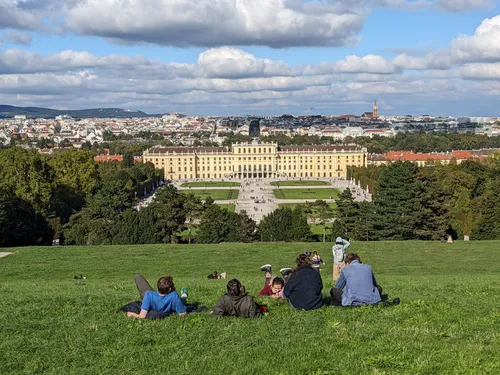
(266, 268)
(184, 293)
(223, 275)
(396, 301)
(285, 272)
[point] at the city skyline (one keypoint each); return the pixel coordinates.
(260, 57)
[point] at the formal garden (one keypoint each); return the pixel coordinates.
(306, 193)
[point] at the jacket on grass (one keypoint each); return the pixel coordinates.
(303, 289)
(243, 306)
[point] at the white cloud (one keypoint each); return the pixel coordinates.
(229, 62)
(459, 6)
(484, 45)
(274, 23)
(481, 71)
(16, 37)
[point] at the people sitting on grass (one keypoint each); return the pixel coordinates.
(303, 289)
(316, 261)
(338, 250)
(273, 287)
(156, 305)
(215, 275)
(236, 302)
(357, 284)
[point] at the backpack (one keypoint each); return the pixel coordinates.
(338, 251)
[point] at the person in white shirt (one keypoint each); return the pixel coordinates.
(339, 250)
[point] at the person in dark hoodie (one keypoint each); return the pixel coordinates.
(236, 302)
(303, 289)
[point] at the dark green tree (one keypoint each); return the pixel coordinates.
(300, 230)
(347, 213)
(20, 225)
(277, 225)
(398, 203)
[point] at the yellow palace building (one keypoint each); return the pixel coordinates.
(256, 160)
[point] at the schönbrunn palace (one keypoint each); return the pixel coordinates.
(255, 160)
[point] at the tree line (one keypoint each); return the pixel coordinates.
(70, 197)
(428, 203)
(49, 190)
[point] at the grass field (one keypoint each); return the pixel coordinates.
(293, 205)
(211, 184)
(310, 193)
(229, 207)
(447, 323)
(299, 183)
(216, 194)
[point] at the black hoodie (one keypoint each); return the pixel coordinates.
(303, 289)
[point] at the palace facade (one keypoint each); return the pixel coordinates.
(255, 160)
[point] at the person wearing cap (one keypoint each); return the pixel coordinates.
(339, 250)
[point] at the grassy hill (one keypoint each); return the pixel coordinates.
(448, 321)
(8, 111)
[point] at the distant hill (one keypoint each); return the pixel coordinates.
(8, 111)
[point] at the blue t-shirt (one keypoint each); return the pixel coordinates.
(167, 303)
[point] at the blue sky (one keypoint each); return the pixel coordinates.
(256, 56)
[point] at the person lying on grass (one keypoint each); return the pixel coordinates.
(359, 285)
(236, 302)
(304, 286)
(157, 304)
(273, 287)
(215, 275)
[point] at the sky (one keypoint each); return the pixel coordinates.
(253, 57)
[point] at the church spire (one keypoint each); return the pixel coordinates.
(375, 109)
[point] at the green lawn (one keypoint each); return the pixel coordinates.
(229, 207)
(293, 205)
(216, 194)
(211, 184)
(310, 193)
(447, 323)
(300, 183)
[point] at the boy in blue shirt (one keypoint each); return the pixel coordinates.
(163, 302)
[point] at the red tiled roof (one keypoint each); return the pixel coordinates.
(108, 158)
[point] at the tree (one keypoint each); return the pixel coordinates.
(170, 213)
(20, 225)
(347, 213)
(322, 210)
(76, 176)
(300, 230)
(397, 199)
(276, 226)
(462, 213)
(128, 159)
(285, 224)
(435, 223)
(487, 210)
(28, 175)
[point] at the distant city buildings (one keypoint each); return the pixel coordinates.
(184, 130)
